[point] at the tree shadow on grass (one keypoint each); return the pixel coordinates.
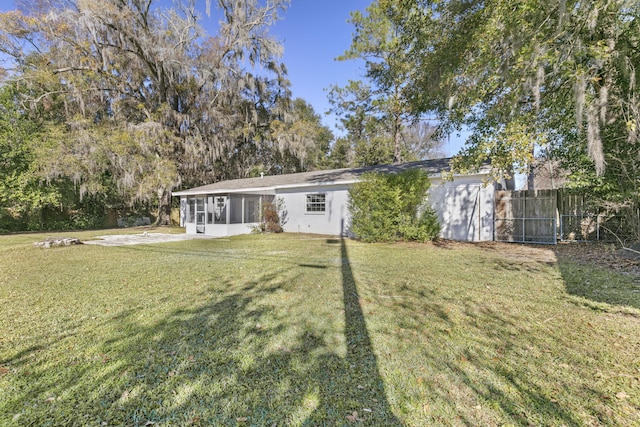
(599, 285)
(233, 358)
(364, 390)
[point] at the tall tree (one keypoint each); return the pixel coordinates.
(146, 103)
(373, 138)
(303, 131)
(22, 195)
(526, 75)
(422, 142)
(382, 101)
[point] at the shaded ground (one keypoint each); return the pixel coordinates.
(603, 276)
(606, 255)
(601, 254)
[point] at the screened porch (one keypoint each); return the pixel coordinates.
(223, 214)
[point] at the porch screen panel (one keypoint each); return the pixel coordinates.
(191, 210)
(210, 210)
(200, 210)
(235, 204)
(251, 209)
(220, 210)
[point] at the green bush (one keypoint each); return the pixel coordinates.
(390, 207)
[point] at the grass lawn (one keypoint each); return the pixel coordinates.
(306, 330)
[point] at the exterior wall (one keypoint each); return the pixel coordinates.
(220, 230)
(465, 208)
(333, 221)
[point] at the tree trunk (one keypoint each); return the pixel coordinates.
(164, 207)
(531, 181)
(397, 140)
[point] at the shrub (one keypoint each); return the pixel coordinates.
(271, 219)
(274, 216)
(387, 207)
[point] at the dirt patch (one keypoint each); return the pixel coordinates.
(511, 251)
(603, 255)
(140, 239)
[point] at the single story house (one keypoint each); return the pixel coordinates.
(316, 202)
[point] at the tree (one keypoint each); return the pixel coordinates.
(376, 113)
(369, 140)
(365, 135)
(147, 106)
(421, 142)
(303, 131)
(22, 195)
(340, 154)
(525, 75)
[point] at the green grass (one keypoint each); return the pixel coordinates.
(305, 330)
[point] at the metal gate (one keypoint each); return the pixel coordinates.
(527, 216)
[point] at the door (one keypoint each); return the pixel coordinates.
(200, 214)
(220, 210)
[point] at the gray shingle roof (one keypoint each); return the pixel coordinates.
(304, 179)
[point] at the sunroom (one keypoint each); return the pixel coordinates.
(220, 215)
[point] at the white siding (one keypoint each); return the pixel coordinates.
(329, 222)
(464, 207)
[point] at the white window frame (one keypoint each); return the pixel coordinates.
(313, 204)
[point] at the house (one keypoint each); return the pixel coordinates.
(316, 202)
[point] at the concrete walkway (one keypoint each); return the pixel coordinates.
(141, 239)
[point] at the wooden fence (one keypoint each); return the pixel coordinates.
(546, 216)
(526, 216)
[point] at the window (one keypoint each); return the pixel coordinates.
(316, 203)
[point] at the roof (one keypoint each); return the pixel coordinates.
(315, 178)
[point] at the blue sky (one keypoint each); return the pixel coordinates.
(314, 33)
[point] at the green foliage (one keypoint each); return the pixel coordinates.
(527, 75)
(423, 229)
(390, 207)
(376, 112)
(23, 192)
(307, 139)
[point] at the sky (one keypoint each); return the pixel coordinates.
(313, 33)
